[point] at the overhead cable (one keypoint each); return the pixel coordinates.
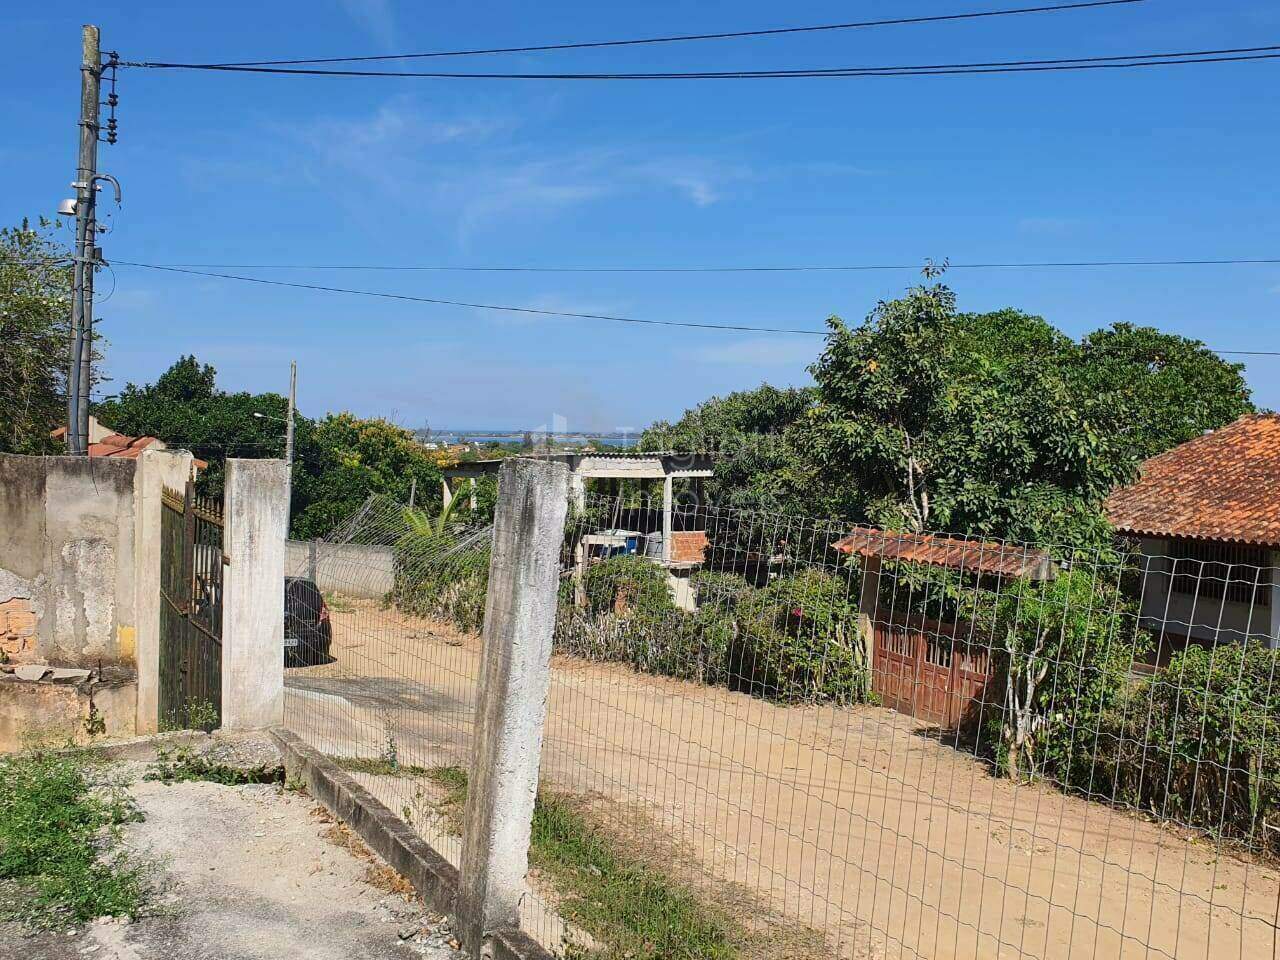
(320, 288)
(684, 38)
(1230, 55)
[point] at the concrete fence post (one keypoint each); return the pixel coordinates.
(256, 502)
(515, 675)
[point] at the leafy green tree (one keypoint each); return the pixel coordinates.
(1163, 389)
(185, 408)
(338, 461)
(348, 458)
(747, 430)
(35, 311)
(1064, 650)
(996, 423)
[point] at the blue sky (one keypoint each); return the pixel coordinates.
(1163, 163)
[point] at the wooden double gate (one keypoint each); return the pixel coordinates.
(933, 671)
(191, 566)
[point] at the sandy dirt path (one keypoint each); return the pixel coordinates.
(852, 821)
(253, 872)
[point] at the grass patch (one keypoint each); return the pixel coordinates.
(184, 766)
(381, 767)
(632, 910)
(61, 854)
(338, 603)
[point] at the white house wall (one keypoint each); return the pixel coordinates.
(1203, 618)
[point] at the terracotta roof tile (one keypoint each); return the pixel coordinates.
(954, 553)
(1224, 485)
(119, 445)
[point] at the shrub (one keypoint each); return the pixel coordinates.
(1198, 743)
(797, 640)
(1062, 650)
(630, 586)
(631, 618)
(443, 576)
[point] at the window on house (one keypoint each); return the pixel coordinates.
(1212, 570)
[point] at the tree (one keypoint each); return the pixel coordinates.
(338, 461)
(35, 311)
(1063, 661)
(349, 458)
(747, 430)
(994, 424)
(185, 408)
(1164, 389)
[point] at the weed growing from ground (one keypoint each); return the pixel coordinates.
(184, 766)
(62, 859)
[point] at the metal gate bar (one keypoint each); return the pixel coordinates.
(191, 587)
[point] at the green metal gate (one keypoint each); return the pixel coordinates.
(191, 565)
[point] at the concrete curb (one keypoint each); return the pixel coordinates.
(145, 747)
(435, 879)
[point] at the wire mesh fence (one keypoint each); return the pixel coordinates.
(771, 736)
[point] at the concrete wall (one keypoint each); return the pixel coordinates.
(45, 712)
(353, 570)
(67, 559)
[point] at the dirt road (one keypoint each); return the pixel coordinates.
(852, 821)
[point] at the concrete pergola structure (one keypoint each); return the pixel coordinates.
(665, 465)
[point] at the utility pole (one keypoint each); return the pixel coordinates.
(78, 373)
(288, 445)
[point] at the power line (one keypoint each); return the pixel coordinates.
(530, 310)
(683, 38)
(1231, 55)
(802, 268)
(462, 303)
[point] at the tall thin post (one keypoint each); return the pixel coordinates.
(288, 444)
(515, 675)
(78, 368)
(666, 518)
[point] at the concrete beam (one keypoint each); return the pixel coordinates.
(515, 675)
(256, 504)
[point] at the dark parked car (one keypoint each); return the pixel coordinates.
(307, 633)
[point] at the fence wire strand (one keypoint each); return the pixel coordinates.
(773, 736)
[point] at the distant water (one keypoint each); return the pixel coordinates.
(619, 442)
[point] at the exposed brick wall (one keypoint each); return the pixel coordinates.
(689, 547)
(17, 628)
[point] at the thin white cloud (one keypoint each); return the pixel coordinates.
(405, 141)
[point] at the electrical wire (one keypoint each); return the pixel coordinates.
(835, 268)
(462, 303)
(683, 38)
(1230, 55)
(527, 310)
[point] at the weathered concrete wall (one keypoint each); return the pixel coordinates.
(67, 559)
(256, 504)
(47, 712)
(351, 569)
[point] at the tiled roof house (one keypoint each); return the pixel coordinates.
(1206, 515)
(104, 442)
